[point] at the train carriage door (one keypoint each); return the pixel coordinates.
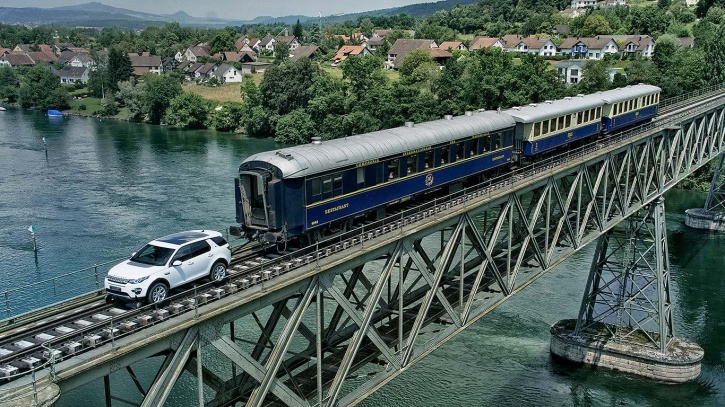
(252, 187)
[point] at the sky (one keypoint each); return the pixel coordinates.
(231, 9)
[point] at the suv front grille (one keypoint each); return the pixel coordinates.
(117, 280)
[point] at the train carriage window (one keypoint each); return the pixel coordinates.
(486, 141)
(552, 125)
(586, 116)
(580, 118)
(473, 148)
(496, 141)
(360, 177)
(393, 168)
(561, 123)
(326, 185)
(337, 183)
(412, 164)
(508, 136)
(537, 129)
(568, 121)
(316, 189)
(428, 163)
(545, 129)
(460, 151)
(445, 155)
(614, 109)
(599, 113)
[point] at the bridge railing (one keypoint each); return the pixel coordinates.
(679, 99)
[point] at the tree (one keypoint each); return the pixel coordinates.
(281, 52)
(41, 88)
(119, 68)
(285, 88)
(595, 25)
(297, 29)
(413, 60)
(8, 84)
(295, 128)
(227, 117)
(187, 110)
(648, 20)
(130, 94)
(250, 92)
(664, 54)
(664, 4)
(595, 77)
(158, 91)
(715, 56)
(221, 41)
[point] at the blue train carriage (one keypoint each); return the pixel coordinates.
(549, 125)
(297, 190)
(625, 107)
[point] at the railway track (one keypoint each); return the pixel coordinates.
(35, 343)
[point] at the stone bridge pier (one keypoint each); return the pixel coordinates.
(625, 319)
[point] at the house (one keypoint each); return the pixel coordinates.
(639, 45)
(15, 59)
(687, 42)
(190, 70)
(183, 66)
(481, 42)
(206, 70)
(247, 56)
(168, 64)
(615, 3)
(359, 37)
(511, 42)
(383, 33)
(42, 56)
(79, 60)
(372, 44)
(535, 46)
(72, 74)
(267, 43)
(600, 46)
(254, 67)
(452, 46)
(196, 52)
(304, 51)
(403, 47)
(145, 63)
(440, 56)
(579, 4)
(227, 74)
(291, 41)
(349, 51)
(571, 70)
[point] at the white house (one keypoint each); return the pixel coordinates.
(72, 74)
(571, 71)
(227, 74)
(576, 4)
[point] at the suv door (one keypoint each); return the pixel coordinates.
(178, 275)
(201, 259)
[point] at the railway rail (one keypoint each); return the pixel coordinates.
(38, 340)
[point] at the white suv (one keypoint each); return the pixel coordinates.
(167, 263)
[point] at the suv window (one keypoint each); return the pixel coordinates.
(219, 241)
(199, 248)
(184, 253)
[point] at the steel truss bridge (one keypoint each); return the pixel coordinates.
(330, 324)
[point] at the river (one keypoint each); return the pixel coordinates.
(107, 187)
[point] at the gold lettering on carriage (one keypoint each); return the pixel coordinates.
(366, 163)
(497, 158)
(336, 208)
(416, 151)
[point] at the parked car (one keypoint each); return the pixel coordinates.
(167, 263)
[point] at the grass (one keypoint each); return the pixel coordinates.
(229, 92)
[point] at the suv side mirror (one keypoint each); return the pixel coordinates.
(133, 254)
(176, 263)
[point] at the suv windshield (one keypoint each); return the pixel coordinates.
(153, 255)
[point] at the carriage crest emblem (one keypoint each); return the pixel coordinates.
(429, 180)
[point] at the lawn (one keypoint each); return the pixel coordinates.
(229, 92)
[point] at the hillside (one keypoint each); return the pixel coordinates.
(95, 14)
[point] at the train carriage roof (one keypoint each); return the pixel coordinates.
(550, 109)
(309, 159)
(626, 93)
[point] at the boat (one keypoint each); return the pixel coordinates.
(55, 113)
(2, 109)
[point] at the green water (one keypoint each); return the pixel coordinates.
(107, 187)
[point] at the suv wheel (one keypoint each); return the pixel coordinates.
(218, 271)
(157, 292)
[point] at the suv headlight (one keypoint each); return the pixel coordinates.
(137, 280)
